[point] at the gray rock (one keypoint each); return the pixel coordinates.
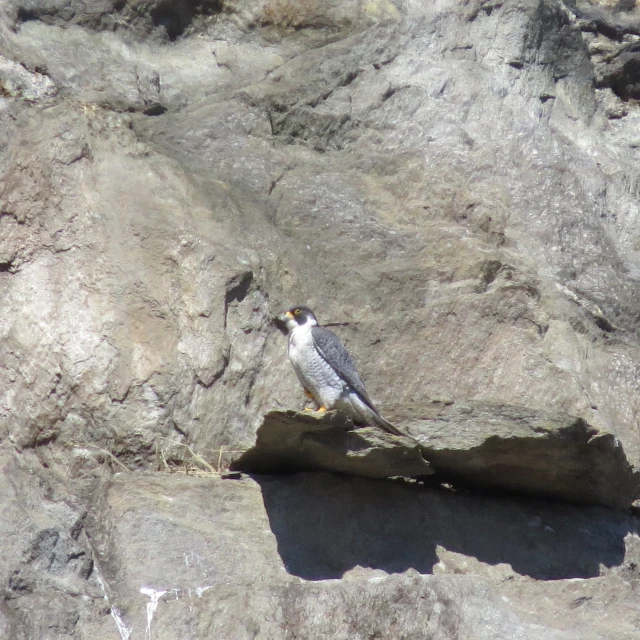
(139, 554)
(498, 447)
(535, 452)
(348, 139)
(289, 441)
(453, 184)
(50, 586)
(323, 555)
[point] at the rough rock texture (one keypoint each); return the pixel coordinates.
(290, 441)
(319, 555)
(500, 447)
(454, 184)
(536, 452)
(170, 189)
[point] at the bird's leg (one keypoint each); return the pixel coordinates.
(309, 397)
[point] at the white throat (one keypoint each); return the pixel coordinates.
(300, 339)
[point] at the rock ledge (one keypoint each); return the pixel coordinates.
(499, 447)
(289, 441)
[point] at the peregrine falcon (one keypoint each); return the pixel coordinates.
(327, 373)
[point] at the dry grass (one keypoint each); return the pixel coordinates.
(287, 13)
(191, 463)
(171, 457)
(90, 459)
(330, 14)
(108, 456)
(297, 14)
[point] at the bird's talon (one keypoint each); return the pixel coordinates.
(322, 409)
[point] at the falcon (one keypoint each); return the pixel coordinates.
(327, 373)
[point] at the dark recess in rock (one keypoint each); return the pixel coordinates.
(625, 81)
(25, 15)
(603, 324)
(155, 110)
(176, 15)
(401, 528)
(238, 292)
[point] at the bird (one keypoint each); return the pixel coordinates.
(327, 372)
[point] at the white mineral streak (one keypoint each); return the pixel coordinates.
(123, 630)
(152, 605)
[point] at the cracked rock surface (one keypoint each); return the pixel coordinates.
(452, 186)
(505, 448)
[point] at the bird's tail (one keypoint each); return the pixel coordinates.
(387, 426)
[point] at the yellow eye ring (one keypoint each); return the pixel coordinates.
(297, 312)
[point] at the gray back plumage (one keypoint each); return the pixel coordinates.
(337, 357)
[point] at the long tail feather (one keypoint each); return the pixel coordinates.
(387, 426)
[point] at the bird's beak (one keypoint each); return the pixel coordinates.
(288, 314)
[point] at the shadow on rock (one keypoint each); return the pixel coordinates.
(327, 524)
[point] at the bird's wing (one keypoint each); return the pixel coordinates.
(337, 357)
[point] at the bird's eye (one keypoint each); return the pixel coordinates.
(297, 312)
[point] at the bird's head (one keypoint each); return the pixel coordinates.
(299, 316)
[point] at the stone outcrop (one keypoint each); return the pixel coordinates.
(514, 449)
(452, 186)
(504, 448)
(289, 441)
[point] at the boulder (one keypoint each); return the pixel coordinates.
(317, 555)
(498, 447)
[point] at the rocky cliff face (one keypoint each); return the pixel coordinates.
(455, 184)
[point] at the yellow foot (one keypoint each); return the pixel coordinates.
(319, 410)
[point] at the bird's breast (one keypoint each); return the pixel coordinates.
(314, 372)
(300, 345)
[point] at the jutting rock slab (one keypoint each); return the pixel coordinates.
(498, 447)
(291, 441)
(526, 451)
